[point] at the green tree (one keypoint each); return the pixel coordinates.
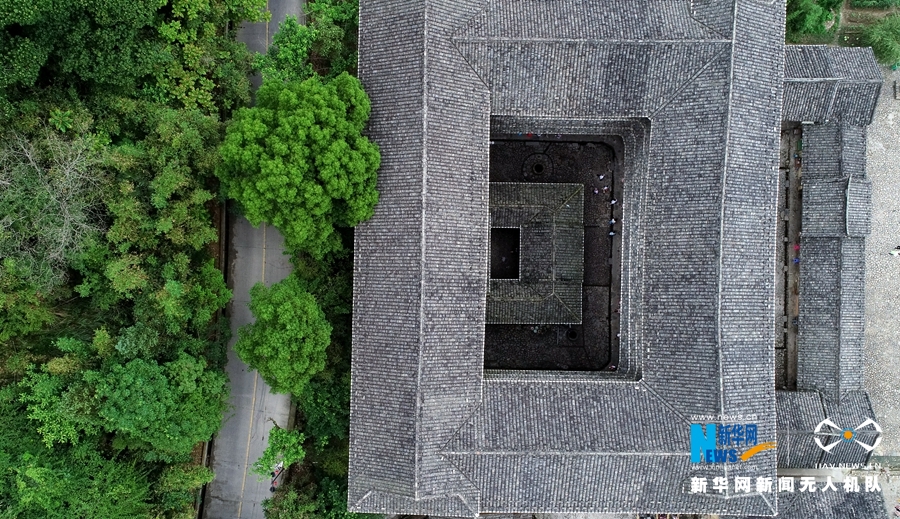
(285, 446)
(174, 490)
(48, 201)
(287, 59)
(808, 17)
(323, 499)
(167, 408)
(22, 308)
(884, 38)
(40, 482)
(298, 160)
(335, 24)
(287, 342)
(171, 51)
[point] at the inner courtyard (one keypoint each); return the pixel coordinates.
(591, 344)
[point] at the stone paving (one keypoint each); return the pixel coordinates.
(882, 367)
(882, 354)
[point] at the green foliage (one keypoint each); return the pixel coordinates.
(287, 59)
(60, 406)
(175, 487)
(877, 4)
(291, 503)
(298, 160)
(326, 499)
(326, 407)
(335, 24)
(808, 17)
(288, 340)
(22, 309)
(884, 38)
(173, 51)
(285, 446)
(61, 483)
(168, 407)
(112, 116)
(48, 201)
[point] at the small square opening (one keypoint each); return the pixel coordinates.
(505, 253)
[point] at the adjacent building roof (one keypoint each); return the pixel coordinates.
(836, 209)
(830, 84)
(800, 414)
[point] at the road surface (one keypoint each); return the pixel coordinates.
(255, 255)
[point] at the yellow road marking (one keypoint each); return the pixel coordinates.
(253, 402)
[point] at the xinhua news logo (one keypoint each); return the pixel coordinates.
(725, 442)
(829, 435)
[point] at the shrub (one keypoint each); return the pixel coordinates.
(884, 38)
(287, 342)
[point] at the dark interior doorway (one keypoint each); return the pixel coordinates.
(505, 253)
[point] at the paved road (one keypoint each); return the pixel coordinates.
(256, 255)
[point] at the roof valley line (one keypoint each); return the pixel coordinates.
(680, 82)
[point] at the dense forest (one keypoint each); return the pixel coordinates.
(118, 120)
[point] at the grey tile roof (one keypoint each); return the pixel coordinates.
(851, 412)
(836, 218)
(694, 95)
(548, 290)
(828, 505)
(831, 331)
(823, 84)
(420, 269)
(798, 414)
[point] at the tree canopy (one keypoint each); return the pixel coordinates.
(287, 342)
(808, 17)
(112, 341)
(884, 38)
(298, 160)
(285, 446)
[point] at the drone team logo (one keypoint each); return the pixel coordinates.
(838, 435)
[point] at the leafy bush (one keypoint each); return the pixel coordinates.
(287, 59)
(175, 486)
(809, 17)
(22, 309)
(884, 38)
(37, 482)
(335, 24)
(285, 446)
